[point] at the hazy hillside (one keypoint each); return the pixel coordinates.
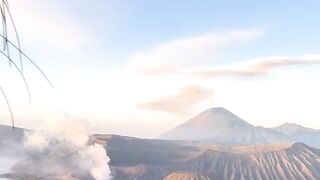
(215, 122)
(243, 151)
(299, 133)
(291, 128)
(218, 125)
(11, 139)
(157, 159)
(9, 134)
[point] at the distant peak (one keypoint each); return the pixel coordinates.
(290, 125)
(216, 117)
(217, 109)
(292, 128)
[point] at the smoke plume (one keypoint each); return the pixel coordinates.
(61, 150)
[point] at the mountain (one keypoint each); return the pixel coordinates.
(291, 128)
(145, 159)
(299, 133)
(9, 134)
(210, 123)
(11, 139)
(218, 125)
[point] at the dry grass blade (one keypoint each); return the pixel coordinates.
(7, 44)
(21, 74)
(5, 4)
(8, 105)
(4, 30)
(29, 59)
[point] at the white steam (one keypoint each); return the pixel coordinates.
(61, 149)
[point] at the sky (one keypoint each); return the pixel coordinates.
(141, 67)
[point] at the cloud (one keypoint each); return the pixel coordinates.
(186, 99)
(186, 52)
(256, 67)
(57, 28)
(250, 68)
(192, 56)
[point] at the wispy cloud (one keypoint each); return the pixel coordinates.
(192, 51)
(177, 57)
(256, 67)
(249, 68)
(186, 99)
(193, 56)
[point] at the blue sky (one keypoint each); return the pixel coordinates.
(141, 67)
(140, 24)
(121, 28)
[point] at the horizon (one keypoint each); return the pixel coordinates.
(141, 68)
(188, 120)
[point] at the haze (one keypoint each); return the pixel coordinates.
(140, 68)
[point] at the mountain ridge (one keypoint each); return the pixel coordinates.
(159, 159)
(218, 125)
(144, 159)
